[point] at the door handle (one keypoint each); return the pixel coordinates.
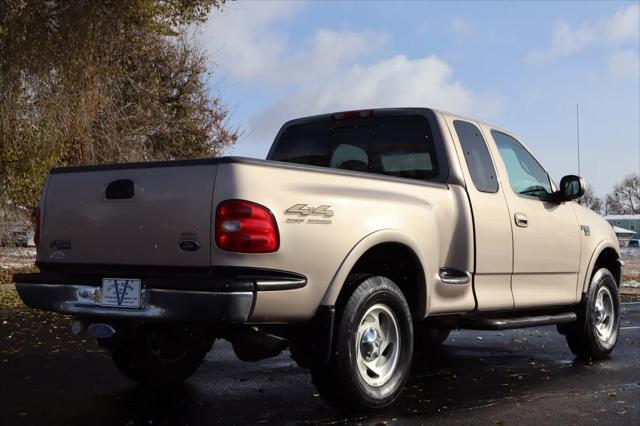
(521, 220)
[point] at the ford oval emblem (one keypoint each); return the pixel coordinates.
(189, 245)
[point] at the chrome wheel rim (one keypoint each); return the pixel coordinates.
(377, 345)
(604, 314)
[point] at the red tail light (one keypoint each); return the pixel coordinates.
(246, 227)
(36, 227)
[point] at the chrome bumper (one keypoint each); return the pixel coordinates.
(156, 304)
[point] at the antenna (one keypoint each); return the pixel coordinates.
(578, 135)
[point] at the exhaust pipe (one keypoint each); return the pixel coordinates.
(101, 331)
(78, 327)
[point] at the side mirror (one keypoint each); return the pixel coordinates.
(571, 187)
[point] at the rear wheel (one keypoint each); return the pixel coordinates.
(595, 334)
(161, 354)
(373, 348)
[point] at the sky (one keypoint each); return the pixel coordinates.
(522, 66)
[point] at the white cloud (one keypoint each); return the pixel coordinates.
(565, 41)
(329, 52)
(394, 82)
(332, 71)
(245, 44)
(621, 27)
(625, 63)
(241, 40)
(423, 28)
(460, 27)
(624, 25)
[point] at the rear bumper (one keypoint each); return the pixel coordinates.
(156, 304)
(224, 298)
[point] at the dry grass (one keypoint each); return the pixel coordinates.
(6, 274)
(631, 270)
(16, 260)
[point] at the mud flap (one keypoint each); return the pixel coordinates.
(311, 341)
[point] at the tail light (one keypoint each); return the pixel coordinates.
(246, 227)
(36, 226)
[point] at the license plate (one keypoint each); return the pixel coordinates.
(121, 292)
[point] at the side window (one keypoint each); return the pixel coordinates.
(477, 156)
(526, 176)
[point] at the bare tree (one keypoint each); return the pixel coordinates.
(625, 197)
(591, 201)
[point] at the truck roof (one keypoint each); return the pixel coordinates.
(384, 111)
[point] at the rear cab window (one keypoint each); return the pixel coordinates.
(399, 145)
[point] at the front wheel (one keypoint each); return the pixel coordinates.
(161, 354)
(595, 334)
(373, 349)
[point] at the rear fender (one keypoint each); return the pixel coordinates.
(372, 240)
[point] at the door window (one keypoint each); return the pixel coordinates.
(477, 156)
(526, 176)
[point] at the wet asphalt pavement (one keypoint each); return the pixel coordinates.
(521, 377)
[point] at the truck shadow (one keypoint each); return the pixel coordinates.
(465, 374)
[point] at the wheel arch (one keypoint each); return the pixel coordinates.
(605, 255)
(386, 252)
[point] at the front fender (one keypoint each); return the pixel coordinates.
(586, 279)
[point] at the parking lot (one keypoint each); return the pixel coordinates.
(519, 377)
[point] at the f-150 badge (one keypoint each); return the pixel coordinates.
(304, 210)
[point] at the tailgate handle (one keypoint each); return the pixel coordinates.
(119, 189)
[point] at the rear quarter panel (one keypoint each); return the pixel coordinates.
(433, 219)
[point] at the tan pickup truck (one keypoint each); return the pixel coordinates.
(363, 236)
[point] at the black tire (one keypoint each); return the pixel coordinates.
(161, 354)
(341, 383)
(583, 337)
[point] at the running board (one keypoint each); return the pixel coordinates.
(521, 322)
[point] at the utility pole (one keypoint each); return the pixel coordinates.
(578, 135)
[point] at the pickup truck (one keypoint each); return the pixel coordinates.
(364, 235)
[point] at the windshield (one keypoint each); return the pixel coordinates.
(394, 145)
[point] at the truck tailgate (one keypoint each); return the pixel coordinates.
(139, 214)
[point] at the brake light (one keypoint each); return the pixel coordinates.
(245, 227)
(347, 115)
(36, 226)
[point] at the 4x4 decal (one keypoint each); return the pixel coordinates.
(304, 210)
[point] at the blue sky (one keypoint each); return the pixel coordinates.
(520, 65)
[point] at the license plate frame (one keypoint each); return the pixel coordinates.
(121, 292)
